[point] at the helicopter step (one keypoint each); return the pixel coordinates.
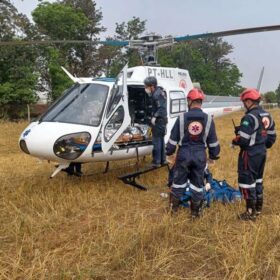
(130, 179)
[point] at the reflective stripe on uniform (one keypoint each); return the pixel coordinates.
(182, 127)
(255, 120)
(176, 186)
(259, 180)
(253, 139)
(246, 186)
(264, 114)
(271, 132)
(212, 145)
(207, 129)
(271, 122)
(244, 135)
(193, 187)
(172, 142)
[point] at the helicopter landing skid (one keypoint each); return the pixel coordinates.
(59, 168)
(130, 179)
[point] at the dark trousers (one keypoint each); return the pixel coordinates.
(250, 174)
(158, 149)
(190, 165)
(74, 166)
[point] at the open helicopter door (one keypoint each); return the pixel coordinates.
(117, 117)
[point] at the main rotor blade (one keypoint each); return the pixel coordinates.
(114, 43)
(227, 33)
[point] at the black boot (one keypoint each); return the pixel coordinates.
(250, 214)
(259, 205)
(78, 167)
(196, 209)
(174, 203)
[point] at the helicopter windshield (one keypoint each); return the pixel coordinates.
(82, 104)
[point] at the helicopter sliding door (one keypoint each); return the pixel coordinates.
(117, 117)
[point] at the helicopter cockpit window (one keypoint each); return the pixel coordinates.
(178, 103)
(84, 104)
(116, 94)
(114, 123)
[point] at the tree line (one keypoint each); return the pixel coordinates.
(26, 70)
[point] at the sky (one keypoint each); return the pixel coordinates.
(181, 17)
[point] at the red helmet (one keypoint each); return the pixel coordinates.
(250, 93)
(196, 94)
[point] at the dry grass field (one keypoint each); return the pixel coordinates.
(98, 228)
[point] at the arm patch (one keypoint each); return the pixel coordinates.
(245, 123)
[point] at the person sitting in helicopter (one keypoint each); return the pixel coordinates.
(158, 121)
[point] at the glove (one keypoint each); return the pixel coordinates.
(235, 140)
(207, 187)
(153, 120)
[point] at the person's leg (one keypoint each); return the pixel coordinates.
(197, 182)
(247, 185)
(179, 184)
(78, 167)
(260, 160)
(156, 150)
(70, 169)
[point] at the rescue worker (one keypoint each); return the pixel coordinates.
(255, 134)
(75, 168)
(194, 131)
(158, 121)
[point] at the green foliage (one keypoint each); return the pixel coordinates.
(24, 70)
(58, 80)
(277, 92)
(18, 76)
(130, 30)
(73, 20)
(59, 21)
(115, 58)
(270, 97)
(208, 64)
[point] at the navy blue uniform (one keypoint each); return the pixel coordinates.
(256, 134)
(159, 129)
(194, 131)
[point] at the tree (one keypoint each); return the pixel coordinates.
(207, 61)
(115, 57)
(270, 97)
(277, 92)
(67, 20)
(18, 76)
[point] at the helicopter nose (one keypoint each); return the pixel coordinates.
(57, 141)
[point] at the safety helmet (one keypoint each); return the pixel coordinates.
(250, 93)
(150, 81)
(196, 94)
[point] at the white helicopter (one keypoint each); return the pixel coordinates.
(104, 119)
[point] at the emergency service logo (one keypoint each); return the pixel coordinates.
(183, 84)
(195, 128)
(266, 122)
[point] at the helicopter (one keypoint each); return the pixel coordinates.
(105, 119)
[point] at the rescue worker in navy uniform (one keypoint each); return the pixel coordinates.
(255, 134)
(158, 121)
(194, 131)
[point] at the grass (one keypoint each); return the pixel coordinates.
(98, 228)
